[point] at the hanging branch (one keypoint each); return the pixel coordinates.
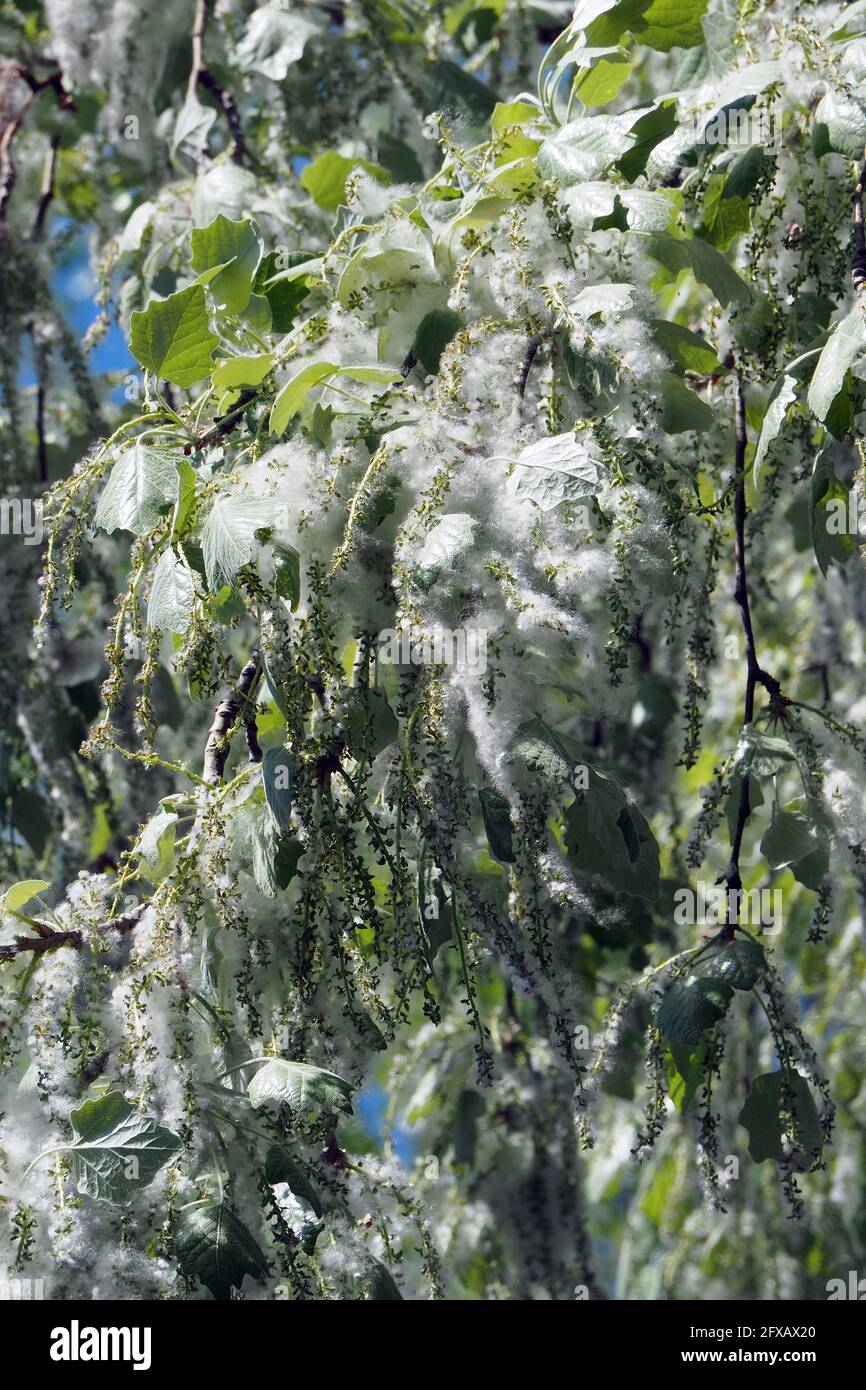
(41, 396)
(225, 716)
(40, 351)
(216, 752)
(46, 193)
(755, 673)
(54, 80)
(201, 75)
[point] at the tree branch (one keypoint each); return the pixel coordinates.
(225, 715)
(858, 260)
(12, 126)
(201, 75)
(48, 940)
(525, 367)
(755, 674)
(224, 424)
(47, 191)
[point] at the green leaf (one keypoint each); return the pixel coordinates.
(214, 1247)
(191, 130)
(371, 725)
(739, 964)
(668, 24)
(510, 113)
(761, 755)
(155, 844)
(242, 371)
(278, 773)
(280, 1166)
(692, 1006)
(229, 536)
(649, 130)
(559, 468)
(263, 842)
(233, 250)
(433, 335)
(783, 395)
(399, 159)
(116, 1151)
(682, 410)
(379, 1285)
(400, 254)
(646, 211)
(284, 295)
(813, 868)
(789, 837)
(772, 1096)
(846, 343)
(686, 1074)
(172, 337)
(839, 420)
(828, 515)
(844, 124)
(542, 750)
(288, 852)
(184, 510)
(20, 894)
(141, 487)
(287, 574)
(445, 543)
(745, 172)
(687, 350)
(496, 811)
(325, 179)
(386, 375)
(707, 265)
(725, 217)
(223, 187)
(604, 299)
(585, 148)
(292, 396)
(453, 86)
(172, 593)
(294, 393)
(600, 84)
(274, 40)
(720, 30)
(321, 423)
(298, 1085)
(606, 835)
(32, 819)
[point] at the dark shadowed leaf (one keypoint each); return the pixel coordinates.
(215, 1248)
(781, 1103)
(496, 810)
(692, 1006)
